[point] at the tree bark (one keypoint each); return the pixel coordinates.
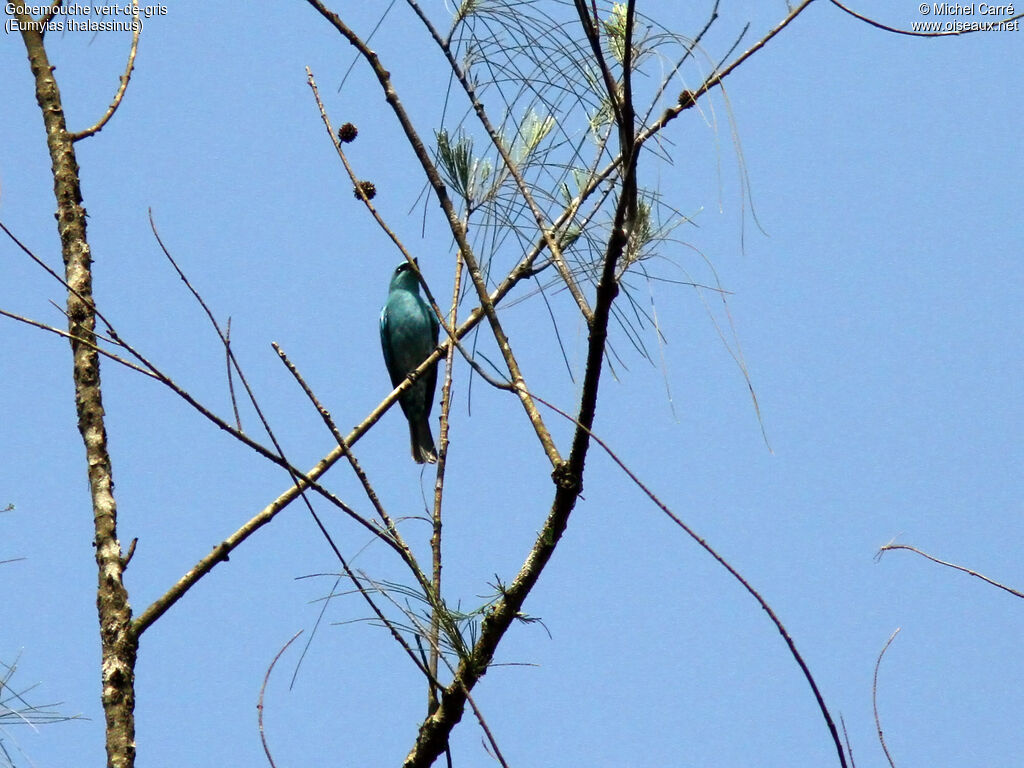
(118, 640)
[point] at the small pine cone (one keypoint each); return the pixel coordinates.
(347, 133)
(368, 188)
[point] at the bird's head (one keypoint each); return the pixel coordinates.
(404, 278)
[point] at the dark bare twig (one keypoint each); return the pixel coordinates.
(689, 98)
(393, 536)
(591, 30)
(52, 273)
(130, 553)
(890, 546)
(846, 740)
(263, 689)
(224, 340)
(231, 379)
(125, 78)
(911, 33)
(874, 697)
(725, 564)
(77, 339)
(371, 494)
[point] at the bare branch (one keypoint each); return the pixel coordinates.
(77, 339)
(846, 740)
(568, 478)
(874, 697)
(54, 7)
(263, 690)
(125, 78)
(890, 546)
(910, 33)
(231, 380)
(442, 465)
(396, 540)
(725, 564)
(118, 641)
(688, 99)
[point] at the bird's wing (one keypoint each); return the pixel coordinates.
(431, 382)
(385, 345)
(434, 327)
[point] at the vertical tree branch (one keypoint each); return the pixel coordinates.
(568, 478)
(118, 641)
(442, 463)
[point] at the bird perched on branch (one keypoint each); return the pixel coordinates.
(408, 334)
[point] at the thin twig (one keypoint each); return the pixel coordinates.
(689, 98)
(231, 379)
(590, 21)
(79, 340)
(725, 564)
(874, 697)
(910, 33)
(263, 689)
(846, 740)
(53, 273)
(127, 76)
(890, 546)
(393, 535)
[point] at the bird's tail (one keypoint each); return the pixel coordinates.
(423, 450)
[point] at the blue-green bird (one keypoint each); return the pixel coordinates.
(408, 334)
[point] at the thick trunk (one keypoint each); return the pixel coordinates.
(119, 643)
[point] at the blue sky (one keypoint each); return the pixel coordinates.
(879, 319)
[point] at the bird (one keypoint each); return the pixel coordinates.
(408, 334)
